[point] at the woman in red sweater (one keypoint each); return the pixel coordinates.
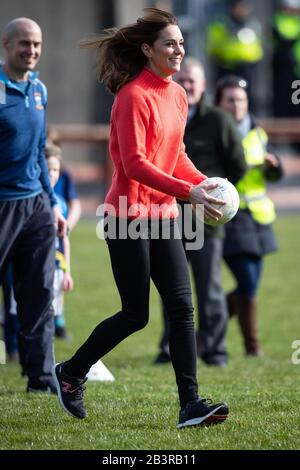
(136, 63)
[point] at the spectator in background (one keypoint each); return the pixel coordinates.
(286, 57)
(65, 187)
(63, 281)
(234, 42)
(66, 192)
(28, 208)
(214, 145)
(249, 235)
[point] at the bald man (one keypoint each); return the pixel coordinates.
(28, 208)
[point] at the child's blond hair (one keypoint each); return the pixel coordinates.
(52, 150)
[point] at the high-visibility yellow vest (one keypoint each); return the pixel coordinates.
(288, 27)
(252, 187)
(230, 49)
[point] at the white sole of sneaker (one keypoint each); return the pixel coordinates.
(59, 392)
(197, 421)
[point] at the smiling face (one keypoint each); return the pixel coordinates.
(23, 46)
(166, 53)
(234, 100)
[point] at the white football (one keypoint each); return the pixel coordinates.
(228, 193)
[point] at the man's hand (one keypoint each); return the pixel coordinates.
(271, 161)
(60, 222)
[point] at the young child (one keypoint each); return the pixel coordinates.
(63, 281)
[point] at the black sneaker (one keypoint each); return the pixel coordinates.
(38, 386)
(201, 412)
(69, 391)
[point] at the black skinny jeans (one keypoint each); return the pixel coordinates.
(134, 262)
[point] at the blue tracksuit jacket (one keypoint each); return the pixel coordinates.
(23, 167)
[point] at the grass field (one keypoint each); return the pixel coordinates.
(140, 410)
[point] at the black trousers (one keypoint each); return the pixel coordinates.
(27, 237)
(134, 263)
(212, 310)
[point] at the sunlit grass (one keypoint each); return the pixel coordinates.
(140, 409)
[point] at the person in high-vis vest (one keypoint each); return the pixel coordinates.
(249, 236)
(286, 57)
(234, 42)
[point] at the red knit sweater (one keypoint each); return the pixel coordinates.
(146, 145)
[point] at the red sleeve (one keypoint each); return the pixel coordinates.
(132, 117)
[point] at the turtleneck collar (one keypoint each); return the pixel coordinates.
(151, 79)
